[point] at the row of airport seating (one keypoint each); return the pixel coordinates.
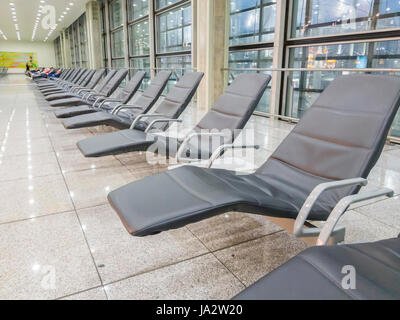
(3, 71)
(315, 174)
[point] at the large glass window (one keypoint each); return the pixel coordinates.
(143, 64)
(254, 59)
(327, 17)
(164, 3)
(118, 63)
(180, 64)
(71, 46)
(116, 14)
(83, 41)
(139, 39)
(304, 87)
(252, 21)
(57, 50)
(137, 9)
(117, 44)
(174, 30)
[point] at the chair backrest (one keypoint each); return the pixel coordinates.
(234, 107)
(77, 76)
(72, 75)
(341, 136)
(65, 73)
(114, 82)
(88, 77)
(149, 96)
(82, 79)
(132, 86)
(106, 79)
(178, 97)
(229, 114)
(98, 74)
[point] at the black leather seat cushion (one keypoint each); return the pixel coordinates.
(340, 137)
(197, 194)
(115, 142)
(316, 273)
(96, 119)
(67, 102)
(74, 111)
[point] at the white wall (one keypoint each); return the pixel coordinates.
(44, 51)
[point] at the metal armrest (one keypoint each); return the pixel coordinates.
(192, 135)
(160, 120)
(98, 100)
(75, 88)
(305, 210)
(140, 116)
(84, 90)
(341, 208)
(124, 106)
(94, 95)
(218, 152)
(108, 100)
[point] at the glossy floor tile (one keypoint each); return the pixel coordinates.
(45, 258)
(29, 166)
(90, 187)
(121, 255)
(251, 260)
(231, 228)
(386, 211)
(92, 294)
(72, 160)
(60, 239)
(199, 278)
(28, 198)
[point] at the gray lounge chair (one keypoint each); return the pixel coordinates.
(229, 114)
(72, 90)
(92, 96)
(146, 100)
(82, 82)
(122, 97)
(75, 79)
(317, 274)
(173, 105)
(320, 164)
(53, 81)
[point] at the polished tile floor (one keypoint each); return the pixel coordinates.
(59, 238)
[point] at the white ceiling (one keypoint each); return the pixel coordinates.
(27, 13)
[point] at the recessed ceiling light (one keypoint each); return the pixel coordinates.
(67, 9)
(71, 3)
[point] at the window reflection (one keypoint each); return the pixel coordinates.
(115, 14)
(305, 87)
(139, 39)
(327, 17)
(164, 3)
(142, 64)
(117, 41)
(252, 21)
(137, 9)
(175, 30)
(253, 59)
(178, 64)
